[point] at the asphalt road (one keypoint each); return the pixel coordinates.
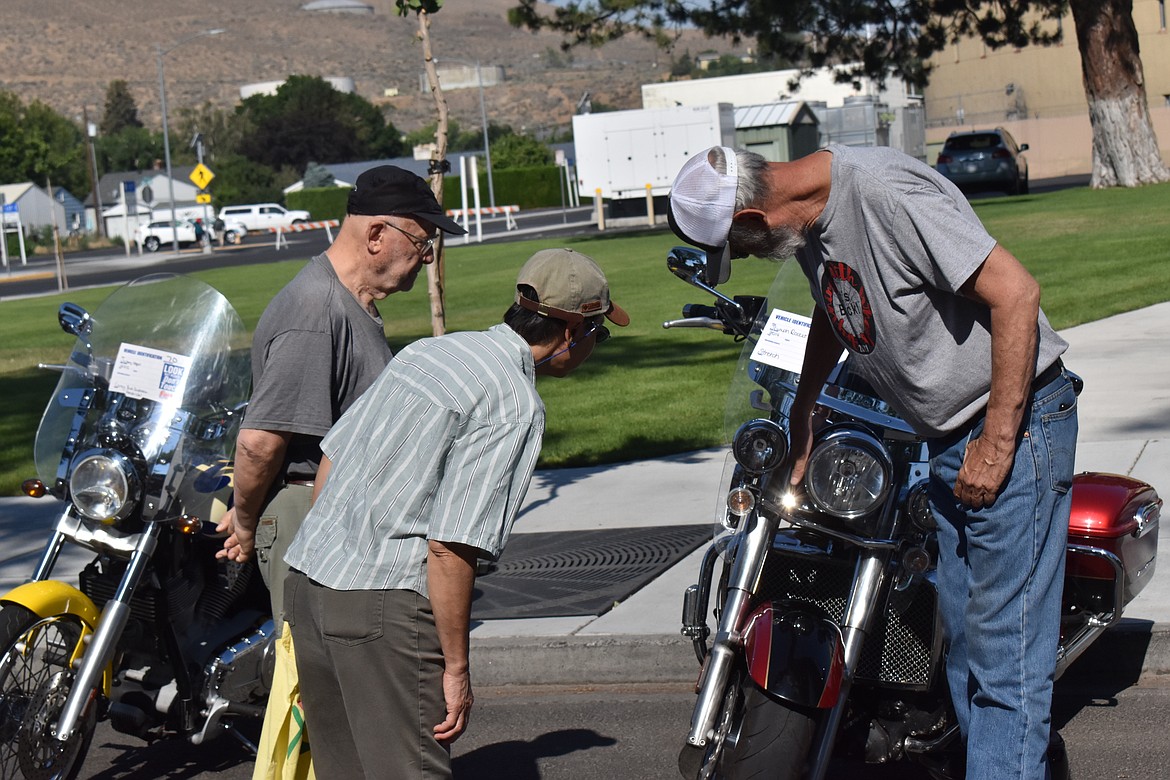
(1113, 730)
(112, 266)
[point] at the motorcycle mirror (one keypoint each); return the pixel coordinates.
(74, 319)
(693, 267)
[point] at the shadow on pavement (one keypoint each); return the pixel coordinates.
(518, 759)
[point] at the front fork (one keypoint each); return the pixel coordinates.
(105, 639)
(728, 643)
(864, 602)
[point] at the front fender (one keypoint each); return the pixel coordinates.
(49, 597)
(795, 655)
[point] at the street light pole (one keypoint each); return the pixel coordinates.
(162, 94)
(487, 147)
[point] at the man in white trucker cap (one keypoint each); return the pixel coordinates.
(946, 324)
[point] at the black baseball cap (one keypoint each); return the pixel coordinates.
(388, 190)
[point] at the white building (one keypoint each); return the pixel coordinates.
(35, 207)
(750, 89)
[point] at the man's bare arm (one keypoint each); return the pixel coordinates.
(259, 458)
(450, 577)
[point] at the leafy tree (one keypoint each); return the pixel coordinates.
(222, 131)
(240, 180)
(121, 111)
(131, 149)
(896, 39)
(519, 151)
(37, 143)
(307, 119)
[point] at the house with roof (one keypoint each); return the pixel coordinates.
(35, 208)
(151, 190)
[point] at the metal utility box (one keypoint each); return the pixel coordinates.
(621, 152)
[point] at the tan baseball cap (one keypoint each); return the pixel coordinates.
(570, 286)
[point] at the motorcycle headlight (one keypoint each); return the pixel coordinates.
(760, 446)
(103, 486)
(848, 474)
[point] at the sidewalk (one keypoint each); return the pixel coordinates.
(1125, 429)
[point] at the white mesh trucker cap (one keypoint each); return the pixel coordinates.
(702, 200)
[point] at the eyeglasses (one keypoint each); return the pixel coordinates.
(599, 329)
(424, 247)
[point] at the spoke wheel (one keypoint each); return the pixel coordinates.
(35, 679)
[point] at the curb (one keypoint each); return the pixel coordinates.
(576, 660)
(1124, 653)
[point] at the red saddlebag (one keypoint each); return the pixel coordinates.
(1119, 515)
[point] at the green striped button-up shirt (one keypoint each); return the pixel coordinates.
(442, 446)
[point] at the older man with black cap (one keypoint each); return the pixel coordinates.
(319, 344)
(422, 476)
(947, 325)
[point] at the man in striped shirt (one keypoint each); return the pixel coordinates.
(423, 475)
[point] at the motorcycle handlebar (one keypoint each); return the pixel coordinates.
(695, 322)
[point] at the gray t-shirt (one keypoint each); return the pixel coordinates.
(315, 350)
(885, 261)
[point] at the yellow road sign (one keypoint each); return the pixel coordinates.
(203, 197)
(202, 176)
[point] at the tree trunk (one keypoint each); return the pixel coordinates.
(436, 278)
(1125, 148)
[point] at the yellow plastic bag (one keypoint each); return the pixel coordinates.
(284, 748)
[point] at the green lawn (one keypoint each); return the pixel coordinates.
(648, 391)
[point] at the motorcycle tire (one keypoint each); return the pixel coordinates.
(772, 740)
(35, 679)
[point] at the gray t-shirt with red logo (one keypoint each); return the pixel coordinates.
(885, 261)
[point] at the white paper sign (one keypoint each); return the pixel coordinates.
(143, 372)
(783, 340)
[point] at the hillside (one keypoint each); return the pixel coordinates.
(65, 52)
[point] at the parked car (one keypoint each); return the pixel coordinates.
(163, 233)
(985, 160)
(262, 216)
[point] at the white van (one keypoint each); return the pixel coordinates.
(262, 216)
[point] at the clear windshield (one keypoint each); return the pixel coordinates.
(769, 366)
(166, 359)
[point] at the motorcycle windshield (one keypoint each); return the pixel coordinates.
(758, 386)
(163, 351)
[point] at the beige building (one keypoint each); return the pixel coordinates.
(1037, 94)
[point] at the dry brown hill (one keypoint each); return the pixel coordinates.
(65, 52)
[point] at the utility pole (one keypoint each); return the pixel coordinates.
(90, 132)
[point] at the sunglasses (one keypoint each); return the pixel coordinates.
(600, 330)
(424, 247)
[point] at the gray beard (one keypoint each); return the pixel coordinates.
(779, 243)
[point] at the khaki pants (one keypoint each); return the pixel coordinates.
(278, 524)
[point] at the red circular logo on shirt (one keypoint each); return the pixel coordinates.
(848, 307)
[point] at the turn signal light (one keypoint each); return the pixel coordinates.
(33, 488)
(188, 525)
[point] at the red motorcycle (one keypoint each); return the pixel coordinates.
(828, 644)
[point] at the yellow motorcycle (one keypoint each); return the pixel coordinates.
(159, 638)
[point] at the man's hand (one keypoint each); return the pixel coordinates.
(457, 693)
(985, 468)
(801, 435)
(240, 543)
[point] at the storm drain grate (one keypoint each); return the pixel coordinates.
(579, 572)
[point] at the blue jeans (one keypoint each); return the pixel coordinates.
(1001, 574)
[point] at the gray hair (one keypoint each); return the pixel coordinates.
(752, 187)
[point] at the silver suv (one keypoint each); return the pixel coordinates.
(985, 160)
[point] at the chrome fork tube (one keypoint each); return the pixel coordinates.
(745, 575)
(105, 638)
(52, 551)
(864, 602)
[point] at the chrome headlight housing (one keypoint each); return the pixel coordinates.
(104, 486)
(848, 473)
(760, 446)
